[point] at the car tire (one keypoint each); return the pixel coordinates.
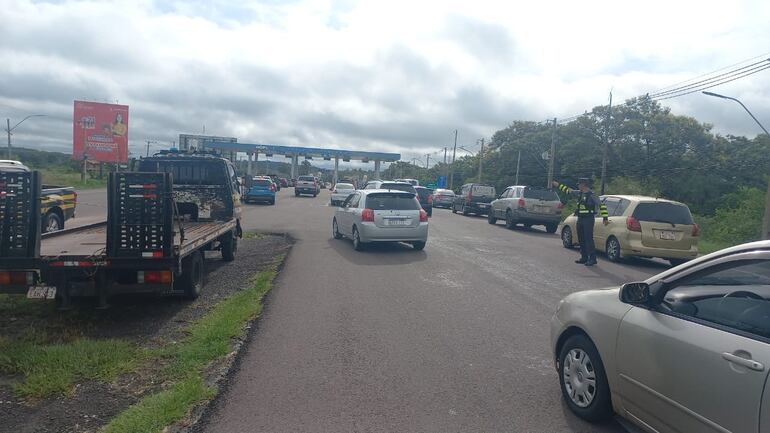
(296, 193)
(551, 228)
(336, 230)
(566, 237)
(272, 202)
(357, 244)
(419, 246)
(229, 245)
(612, 249)
(454, 208)
(509, 222)
(465, 211)
(677, 262)
(315, 195)
(491, 218)
(578, 359)
(191, 282)
(52, 223)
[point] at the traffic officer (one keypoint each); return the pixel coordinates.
(587, 204)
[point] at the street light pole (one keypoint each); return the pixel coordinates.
(8, 129)
(766, 218)
(481, 158)
(452, 168)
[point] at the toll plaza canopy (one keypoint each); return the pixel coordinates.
(295, 152)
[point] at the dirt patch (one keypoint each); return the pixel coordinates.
(152, 322)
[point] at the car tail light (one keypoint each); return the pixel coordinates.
(75, 196)
(423, 216)
(21, 278)
(633, 225)
(272, 187)
(430, 199)
(560, 206)
(522, 203)
(153, 277)
(695, 230)
(367, 215)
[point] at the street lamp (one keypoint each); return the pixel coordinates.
(8, 129)
(766, 217)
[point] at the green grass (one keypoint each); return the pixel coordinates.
(706, 246)
(155, 412)
(209, 339)
(253, 235)
(51, 369)
(62, 176)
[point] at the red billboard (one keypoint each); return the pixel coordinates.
(100, 132)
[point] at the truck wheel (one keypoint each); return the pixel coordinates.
(190, 283)
(229, 245)
(52, 222)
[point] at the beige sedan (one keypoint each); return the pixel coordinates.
(687, 350)
(642, 227)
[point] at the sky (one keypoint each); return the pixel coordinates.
(387, 76)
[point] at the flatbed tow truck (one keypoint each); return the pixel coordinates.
(160, 221)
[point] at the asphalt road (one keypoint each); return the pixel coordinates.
(91, 208)
(452, 338)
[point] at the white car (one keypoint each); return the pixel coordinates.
(687, 350)
(379, 215)
(340, 192)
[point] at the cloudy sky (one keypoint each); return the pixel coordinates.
(397, 76)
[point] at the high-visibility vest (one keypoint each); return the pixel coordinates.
(583, 209)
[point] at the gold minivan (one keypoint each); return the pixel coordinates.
(642, 227)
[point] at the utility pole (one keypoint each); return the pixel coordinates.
(452, 168)
(606, 143)
(518, 164)
(427, 160)
(8, 130)
(481, 158)
(446, 169)
(552, 155)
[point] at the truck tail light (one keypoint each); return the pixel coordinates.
(695, 230)
(14, 277)
(367, 215)
(522, 202)
(633, 225)
(153, 277)
(423, 216)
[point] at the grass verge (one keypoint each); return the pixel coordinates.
(209, 339)
(50, 369)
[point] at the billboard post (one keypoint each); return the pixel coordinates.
(100, 132)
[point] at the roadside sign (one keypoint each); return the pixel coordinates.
(441, 182)
(431, 185)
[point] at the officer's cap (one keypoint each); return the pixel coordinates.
(584, 181)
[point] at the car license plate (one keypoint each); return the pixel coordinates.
(483, 205)
(41, 292)
(667, 235)
(542, 209)
(398, 222)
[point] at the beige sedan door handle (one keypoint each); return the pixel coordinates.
(748, 363)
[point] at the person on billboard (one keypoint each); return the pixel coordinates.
(119, 128)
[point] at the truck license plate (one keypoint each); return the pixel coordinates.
(667, 235)
(41, 292)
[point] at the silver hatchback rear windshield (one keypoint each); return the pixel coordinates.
(391, 201)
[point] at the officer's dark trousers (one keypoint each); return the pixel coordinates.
(585, 229)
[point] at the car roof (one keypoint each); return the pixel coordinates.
(643, 198)
(742, 248)
(394, 191)
(396, 181)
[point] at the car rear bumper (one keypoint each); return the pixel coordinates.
(340, 197)
(534, 218)
(634, 247)
(442, 203)
(267, 196)
(371, 233)
(303, 190)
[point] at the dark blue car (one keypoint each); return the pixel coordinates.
(261, 190)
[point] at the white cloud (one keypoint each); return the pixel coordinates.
(386, 76)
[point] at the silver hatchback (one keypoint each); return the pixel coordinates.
(381, 216)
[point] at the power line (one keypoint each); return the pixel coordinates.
(715, 84)
(764, 55)
(714, 78)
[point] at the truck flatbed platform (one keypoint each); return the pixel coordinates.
(92, 241)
